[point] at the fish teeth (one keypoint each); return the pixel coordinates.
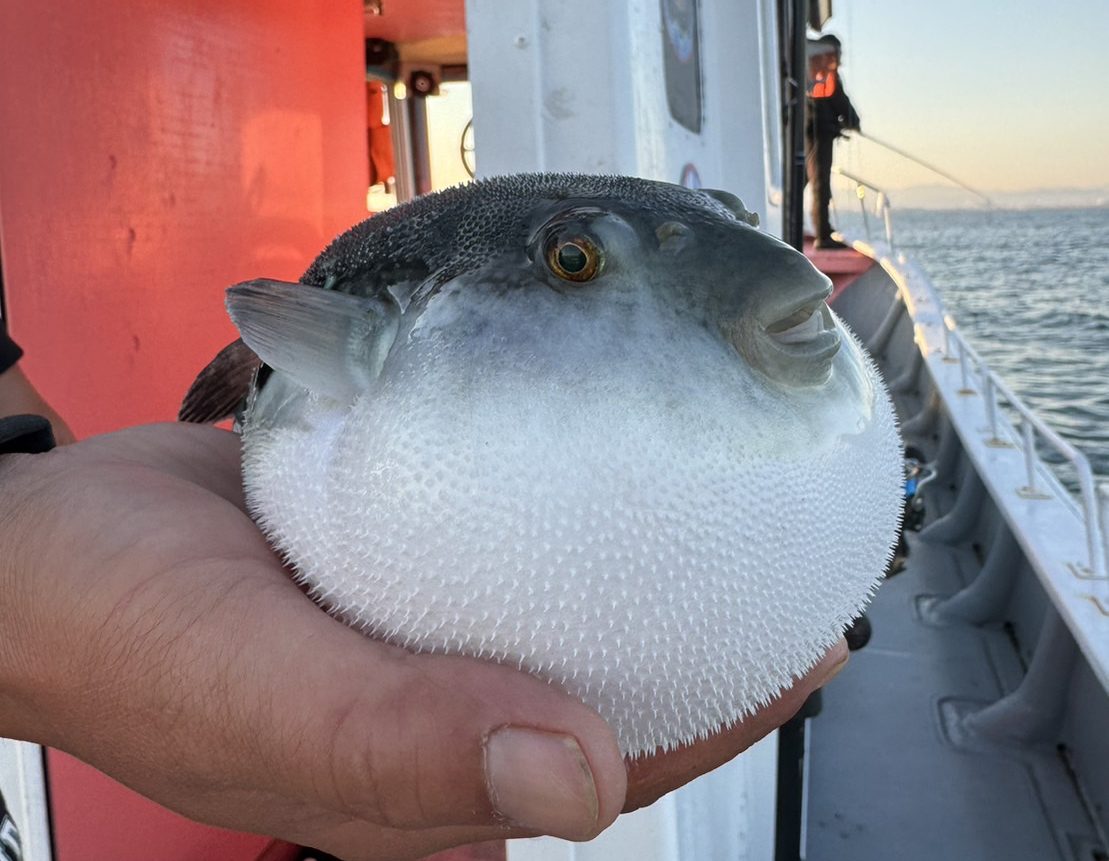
(802, 332)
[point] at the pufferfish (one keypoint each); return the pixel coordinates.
(598, 428)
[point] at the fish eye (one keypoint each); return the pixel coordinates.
(578, 259)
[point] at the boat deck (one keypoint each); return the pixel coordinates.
(889, 773)
(888, 776)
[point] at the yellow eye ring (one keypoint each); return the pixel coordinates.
(577, 259)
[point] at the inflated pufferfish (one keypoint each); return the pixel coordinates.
(599, 428)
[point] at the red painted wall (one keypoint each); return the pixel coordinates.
(96, 819)
(153, 152)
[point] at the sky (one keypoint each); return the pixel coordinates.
(1007, 96)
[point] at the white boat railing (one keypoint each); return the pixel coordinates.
(1095, 512)
(1095, 500)
(882, 207)
(1060, 541)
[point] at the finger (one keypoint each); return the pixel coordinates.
(649, 778)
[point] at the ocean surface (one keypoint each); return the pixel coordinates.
(1030, 291)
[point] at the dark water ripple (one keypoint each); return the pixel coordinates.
(1030, 290)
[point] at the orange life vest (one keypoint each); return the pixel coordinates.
(824, 86)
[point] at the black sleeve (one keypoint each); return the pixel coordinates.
(25, 434)
(10, 353)
(10, 848)
(851, 120)
(847, 117)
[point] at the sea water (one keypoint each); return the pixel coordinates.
(1030, 291)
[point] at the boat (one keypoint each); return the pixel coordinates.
(973, 723)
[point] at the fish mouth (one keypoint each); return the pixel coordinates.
(799, 343)
(808, 331)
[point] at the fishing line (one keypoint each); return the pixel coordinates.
(923, 163)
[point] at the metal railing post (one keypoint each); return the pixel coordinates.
(1104, 522)
(963, 369)
(1029, 443)
(948, 331)
(860, 192)
(991, 407)
(887, 217)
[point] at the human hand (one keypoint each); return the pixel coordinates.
(17, 395)
(151, 632)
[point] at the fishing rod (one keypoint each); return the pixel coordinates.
(923, 163)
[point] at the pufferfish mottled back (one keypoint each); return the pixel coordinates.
(450, 231)
(599, 428)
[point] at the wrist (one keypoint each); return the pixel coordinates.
(22, 641)
(18, 396)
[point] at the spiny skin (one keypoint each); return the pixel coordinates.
(620, 486)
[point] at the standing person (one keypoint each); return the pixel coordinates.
(829, 114)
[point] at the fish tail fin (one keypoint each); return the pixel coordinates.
(222, 387)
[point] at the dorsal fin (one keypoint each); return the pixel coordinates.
(734, 204)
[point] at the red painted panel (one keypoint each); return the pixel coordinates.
(104, 821)
(491, 851)
(844, 267)
(151, 153)
(414, 20)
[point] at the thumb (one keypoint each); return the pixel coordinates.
(421, 741)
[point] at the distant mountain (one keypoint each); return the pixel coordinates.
(953, 197)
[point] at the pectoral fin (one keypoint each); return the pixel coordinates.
(332, 343)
